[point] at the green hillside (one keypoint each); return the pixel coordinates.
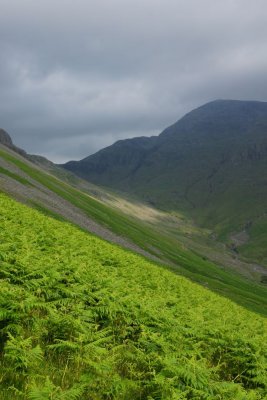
(164, 238)
(83, 319)
(210, 165)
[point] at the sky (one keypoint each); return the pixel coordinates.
(76, 76)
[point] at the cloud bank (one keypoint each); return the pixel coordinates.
(77, 76)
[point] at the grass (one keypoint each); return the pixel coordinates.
(14, 176)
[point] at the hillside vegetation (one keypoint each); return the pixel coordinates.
(54, 197)
(83, 319)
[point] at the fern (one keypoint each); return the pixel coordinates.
(21, 355)
(82, 319)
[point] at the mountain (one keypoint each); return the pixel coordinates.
(211, 165)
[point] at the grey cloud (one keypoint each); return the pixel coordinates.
(76, 76)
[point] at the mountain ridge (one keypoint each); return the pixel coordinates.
(227, 110)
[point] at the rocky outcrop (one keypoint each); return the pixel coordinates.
(5, 139)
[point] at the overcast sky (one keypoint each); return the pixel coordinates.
(75, 76)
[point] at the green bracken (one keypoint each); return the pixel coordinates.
(83, 319)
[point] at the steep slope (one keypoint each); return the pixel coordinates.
(210, 165)
(169, 239)
(23, 180)
(84, 319)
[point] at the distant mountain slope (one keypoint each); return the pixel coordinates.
(211, 164)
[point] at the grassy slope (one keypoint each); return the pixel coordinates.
(81, 318)
(186, 262)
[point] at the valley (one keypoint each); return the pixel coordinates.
(168, 238)
(133, 200)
